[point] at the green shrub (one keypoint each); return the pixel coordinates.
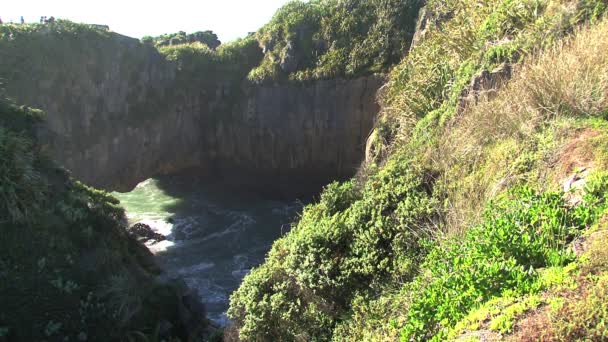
(519, 235)
(62, 242)
(207, 38)
(348, 244)
(22, 187)
(330, 38)
(352, 253)
(198, 65)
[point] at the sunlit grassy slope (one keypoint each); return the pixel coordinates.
(460, 211)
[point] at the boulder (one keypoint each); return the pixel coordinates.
(144, 233)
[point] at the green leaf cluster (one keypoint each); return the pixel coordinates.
(520, 234)
(207, 38)
(334, 38)
(349, 243)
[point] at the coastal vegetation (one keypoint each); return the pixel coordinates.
(322, 39)
(461, 208)
(480, 212)
(204, 37)
(68, 268)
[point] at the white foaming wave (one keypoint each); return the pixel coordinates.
(144, 183)
(284, 209)
(209, 292)
(160, 226)
(240, 259)
(241, 266)
(160, 246)
(187, 227)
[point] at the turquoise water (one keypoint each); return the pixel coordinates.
(214, 235)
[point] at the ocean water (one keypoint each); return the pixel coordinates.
(215, 234)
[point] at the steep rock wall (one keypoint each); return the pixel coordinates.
(118, 114)
(109, 101)
(296, 133)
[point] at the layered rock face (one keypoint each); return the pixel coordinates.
(296, 134)
(117, 115)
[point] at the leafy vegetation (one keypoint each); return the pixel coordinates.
(406, 250)
(21, 185)
(518, 236)
(62, 245)
(199, 64)
(204, 37)
(312, 274)
(457, 224)
(331, 38)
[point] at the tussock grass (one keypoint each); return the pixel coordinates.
(510, 138)
(572, 78)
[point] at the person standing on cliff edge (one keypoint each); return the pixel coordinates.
(22, 20)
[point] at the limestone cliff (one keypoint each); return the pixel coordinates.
(298, 134)
(119, 113)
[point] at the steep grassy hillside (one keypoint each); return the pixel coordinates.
(488, 162)
(334, 38)
(68, 268)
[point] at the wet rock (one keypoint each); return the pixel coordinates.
(145, 233)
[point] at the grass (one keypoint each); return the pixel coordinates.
(458, 224)
(504, 142)
(577, 312)
(376, 267)
(518, 235)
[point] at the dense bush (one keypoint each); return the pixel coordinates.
(198, 64)
(207, 38)
(331, 38)
(21, 184)
(348, 244)
(62, 245)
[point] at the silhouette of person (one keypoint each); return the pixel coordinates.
(41, 20)
(22, 20)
